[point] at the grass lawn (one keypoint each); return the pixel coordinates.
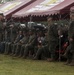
(19, 66)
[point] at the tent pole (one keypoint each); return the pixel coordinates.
(60, 41)
(30, 21)
(30, 18)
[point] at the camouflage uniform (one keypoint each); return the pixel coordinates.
(21, 44)
(29, 47)
(53, 39)
(16, 43)
(70, 48)
(42, 51)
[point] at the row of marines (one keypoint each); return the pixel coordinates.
(42, 44)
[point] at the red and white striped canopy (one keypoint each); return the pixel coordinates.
(12, 6)
(44, 7)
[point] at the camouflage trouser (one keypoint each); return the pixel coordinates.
(70, 52)
(52, 49)
(7, 47)
(22, 50)
(42, 52)
(18, 49)
(29, 49)
(13, 48)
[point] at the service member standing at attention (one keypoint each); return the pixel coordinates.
(52, 37)
(70, 49)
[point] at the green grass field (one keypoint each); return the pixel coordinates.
(18, 66)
